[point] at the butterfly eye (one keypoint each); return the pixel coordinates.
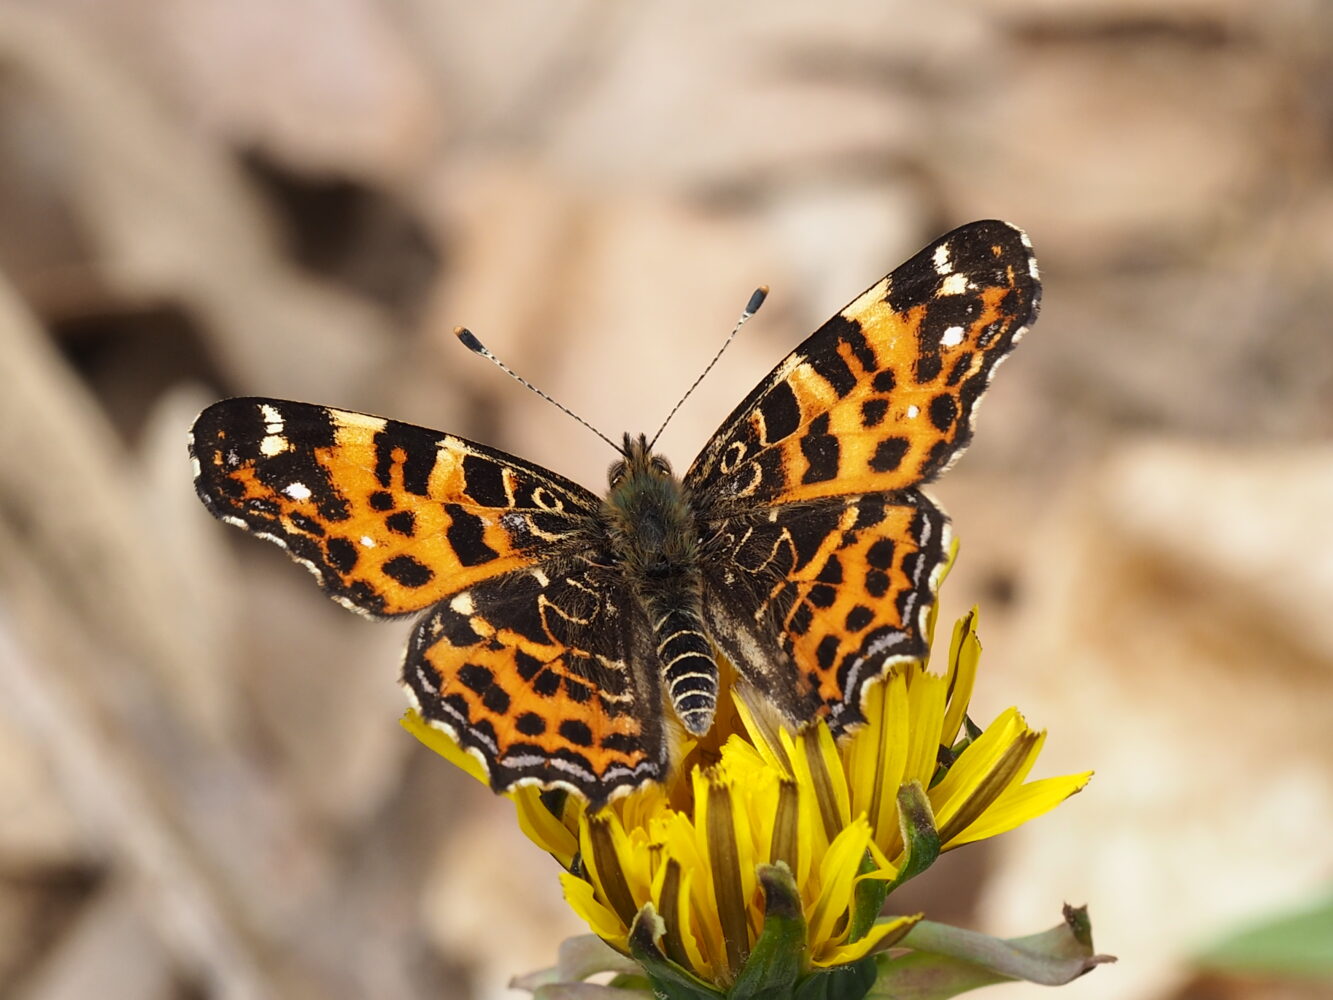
(660, 465)
(617, 474)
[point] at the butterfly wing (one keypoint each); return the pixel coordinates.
(391, 518)
(825, 555)
(813, 600)
(882, 396)
(533, 671)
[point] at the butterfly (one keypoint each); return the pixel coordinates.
(566, 638)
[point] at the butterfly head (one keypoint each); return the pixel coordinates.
(639, 463)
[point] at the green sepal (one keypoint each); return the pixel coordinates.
(946, 961)
(868, 900)
(669, 980)
(773, 966)
(842, 982)
(916, 820)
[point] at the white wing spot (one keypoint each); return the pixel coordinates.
(462, 603)
(273, 444)
(952, 337)
(367, 542)
(913, 410)
(954, 284)
(297, 491)
(943, 265)
(272, 419)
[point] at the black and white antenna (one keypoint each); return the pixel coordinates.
(470, 341)
(751, 307)
(474, 345)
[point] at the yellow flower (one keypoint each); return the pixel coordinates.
(758, 820)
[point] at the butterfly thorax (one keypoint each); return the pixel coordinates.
(651, 526)
(654, 538)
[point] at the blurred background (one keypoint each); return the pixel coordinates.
(204, 791)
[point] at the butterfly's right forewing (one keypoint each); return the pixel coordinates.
(882, 396)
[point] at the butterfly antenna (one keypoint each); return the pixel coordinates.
(751, 307)
(474, 345)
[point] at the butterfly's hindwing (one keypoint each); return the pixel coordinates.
(548, 673)
(882, 396)
(829, 594)
(390, 517)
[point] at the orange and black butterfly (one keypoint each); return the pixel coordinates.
(565, 634)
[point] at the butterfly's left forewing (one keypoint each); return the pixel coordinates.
(390, 517)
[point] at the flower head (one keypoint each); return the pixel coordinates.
(764, 832)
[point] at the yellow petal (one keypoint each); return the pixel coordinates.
(582, 899)
(820, 775)
(1020, 804)
(998, 766)
(964, 655)
(934, 613)
(854, 950)
(634, 859)
(974, 764)
(926, 694)
(837, 880)
(443, 744)
(884, 870)
(876, 756)
(760, 736)
(543, 829)
(831, 762)
(699, 962)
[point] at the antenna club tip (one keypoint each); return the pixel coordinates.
(469, 340)
(757, 299)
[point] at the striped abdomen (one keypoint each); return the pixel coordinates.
(688, 669)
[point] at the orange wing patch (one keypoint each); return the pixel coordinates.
(883, 395)
(390, 517)
(535, 673)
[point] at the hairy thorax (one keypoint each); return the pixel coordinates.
(652, 528)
